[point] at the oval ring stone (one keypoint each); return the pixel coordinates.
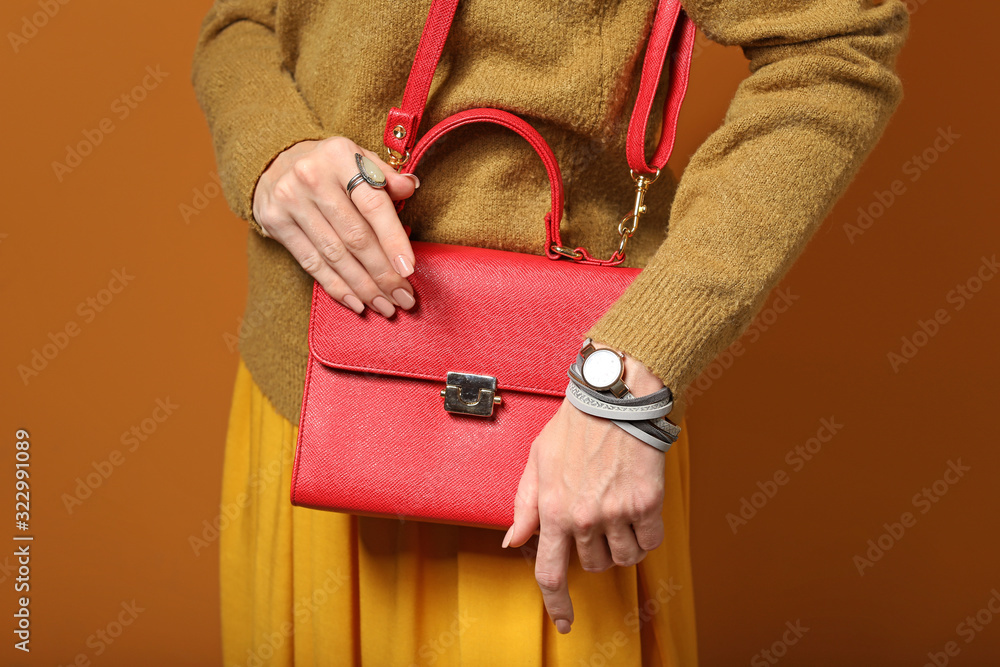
(370, 171)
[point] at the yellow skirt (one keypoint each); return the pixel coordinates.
(307, 587)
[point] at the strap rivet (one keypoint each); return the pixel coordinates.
(399, 131)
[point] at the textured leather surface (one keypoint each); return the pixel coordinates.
(373, 435)
(671, 24)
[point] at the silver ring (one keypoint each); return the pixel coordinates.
(368, 172)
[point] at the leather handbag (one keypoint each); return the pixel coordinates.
(430, 415)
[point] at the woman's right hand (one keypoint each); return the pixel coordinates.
(353, 245)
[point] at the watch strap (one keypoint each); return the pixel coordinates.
(649, 431)
(605, 404)
(627, 399)
(641, 416)
(637, 429)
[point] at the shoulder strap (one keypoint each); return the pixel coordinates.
(402, 123)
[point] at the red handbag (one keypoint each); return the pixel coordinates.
(430, 415)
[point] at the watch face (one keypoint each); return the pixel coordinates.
(602, 368)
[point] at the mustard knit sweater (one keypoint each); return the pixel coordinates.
(821, 89)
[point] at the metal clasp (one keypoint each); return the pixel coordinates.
(628, 224)
(470, 394)
(397, 159)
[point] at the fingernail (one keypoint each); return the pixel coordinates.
(383, 306)
(562, 625)
(403, 298)
(354, 303)
(506, 538)
(416, 181)
(403, 266)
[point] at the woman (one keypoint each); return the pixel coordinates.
(292, 90)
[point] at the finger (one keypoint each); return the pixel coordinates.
(398, 186)
(525, 505)
(649, 531)
(593, 550)
(331, 250)
(377, 234)
(625, 549)
(387, 237)
(551, 564)
(396, 193)
(376, 208)
(305, 253)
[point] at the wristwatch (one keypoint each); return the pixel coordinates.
(597, 387)
(603, 369)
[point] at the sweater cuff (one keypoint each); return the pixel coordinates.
(672, 323)
(239, 176)
(252, 104)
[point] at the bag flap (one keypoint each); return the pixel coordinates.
(516, 316)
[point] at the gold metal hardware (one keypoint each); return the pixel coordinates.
(397, 159)
(626, 226)
(566, 252)
(399, 131)
(470, 394)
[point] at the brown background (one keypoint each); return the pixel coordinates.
(167, 335)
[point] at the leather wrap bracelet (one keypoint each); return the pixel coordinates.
(641, 416)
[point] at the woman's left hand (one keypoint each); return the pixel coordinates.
(589, 482)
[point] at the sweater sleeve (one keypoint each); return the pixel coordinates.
(253, 106)
(821, 89)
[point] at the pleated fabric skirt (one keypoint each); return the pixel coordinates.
(308, 587)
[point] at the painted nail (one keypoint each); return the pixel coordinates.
(416, 181)
(354, 303)
(383, 306)
(403, 298)
(506, 538)
(402, 265)
(562, 625)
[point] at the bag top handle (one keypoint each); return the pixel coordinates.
(670, 19)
